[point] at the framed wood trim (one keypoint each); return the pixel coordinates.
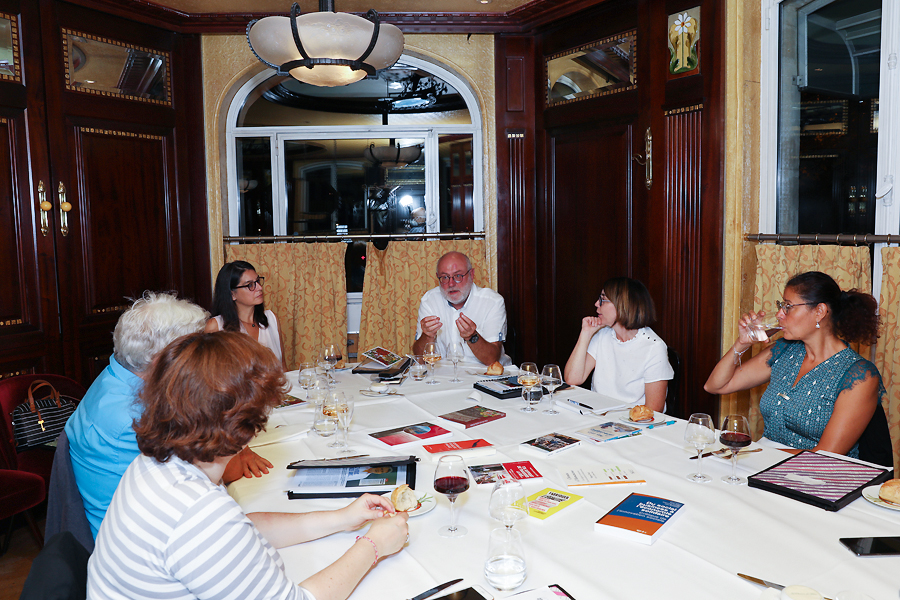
(116, 133)
(17, 53)
(66, 37)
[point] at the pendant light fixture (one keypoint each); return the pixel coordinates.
(325, 48)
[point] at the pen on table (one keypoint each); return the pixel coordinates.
(655, 425)
(582, 405)
(354, 456)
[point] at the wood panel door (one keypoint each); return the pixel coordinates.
(588, 214)
(125, 165)
(29, 324)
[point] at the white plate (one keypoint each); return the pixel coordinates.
(426, 504)
(372, 394)
(657, 419)
(871, 494)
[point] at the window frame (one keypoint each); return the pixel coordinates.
(887, 212)
(430, 133)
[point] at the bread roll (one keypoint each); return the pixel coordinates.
(495, 369)
(404, 499)
(640, 413)
(890, 491)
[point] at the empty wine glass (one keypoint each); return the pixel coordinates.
(508, 502)
(451, 478)
(455, 354)
(307, 376)
(528, 378)
(432, 355)
(345, 416)
(551, 378)
(700, 434)
(736, 435)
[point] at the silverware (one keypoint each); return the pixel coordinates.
(435, 590)
(765, 583)
(725, 451)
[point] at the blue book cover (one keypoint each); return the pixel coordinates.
(640, 517)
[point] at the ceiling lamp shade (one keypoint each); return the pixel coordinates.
(392, 156)
(325, 48)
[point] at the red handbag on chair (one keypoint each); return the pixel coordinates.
(39, 422)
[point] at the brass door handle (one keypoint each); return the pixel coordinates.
(45, 207)
(64, 208)
(647, 159)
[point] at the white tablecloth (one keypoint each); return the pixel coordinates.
(724, 529)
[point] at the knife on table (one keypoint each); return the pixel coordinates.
(726, 451)
(435, 590)
(763, 582)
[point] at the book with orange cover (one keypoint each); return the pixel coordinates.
(640, 518)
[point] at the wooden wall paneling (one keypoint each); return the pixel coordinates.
(516, 193)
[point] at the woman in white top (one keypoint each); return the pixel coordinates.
(630, 362)
(172, 531)
(238, 306)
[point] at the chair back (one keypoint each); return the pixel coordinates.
(875, 442)
(65, 507)
(59, 572)
(14, 391)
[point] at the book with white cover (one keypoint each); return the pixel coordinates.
(598, 474)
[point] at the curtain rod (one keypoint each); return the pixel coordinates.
(352, 237)
(844, 239)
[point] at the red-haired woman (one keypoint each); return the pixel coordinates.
(173, 531)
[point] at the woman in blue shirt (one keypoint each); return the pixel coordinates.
(821, 394)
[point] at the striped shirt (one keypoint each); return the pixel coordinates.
(171, 533)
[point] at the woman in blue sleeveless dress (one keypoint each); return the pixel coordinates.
(821, 394)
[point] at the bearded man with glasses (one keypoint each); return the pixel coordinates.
(457, 310)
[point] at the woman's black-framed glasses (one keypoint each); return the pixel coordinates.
(251, 285)
(787, 306)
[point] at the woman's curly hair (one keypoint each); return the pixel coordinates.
(206, 395)
(854, 314)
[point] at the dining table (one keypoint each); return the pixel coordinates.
(721, 531)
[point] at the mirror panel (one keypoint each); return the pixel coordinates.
(105, 67)
(10, 61)
(599, 68)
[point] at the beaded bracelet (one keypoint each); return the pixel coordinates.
(365, 537)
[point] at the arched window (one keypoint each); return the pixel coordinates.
(398, 152)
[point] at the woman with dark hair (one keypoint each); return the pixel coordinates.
(821, 395)
(173, 531)
(238, 306)
(630, 362)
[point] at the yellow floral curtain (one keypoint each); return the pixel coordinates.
(396, 278)
(887, 354)
(306, 288)
(775, 265)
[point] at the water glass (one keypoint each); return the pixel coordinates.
(532, 398)
(418, 370)
(505, 565)
(325, 419)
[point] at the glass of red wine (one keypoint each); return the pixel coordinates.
(735, 435)
(451, 478)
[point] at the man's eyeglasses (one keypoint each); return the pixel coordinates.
(445, 279)
(251, 285)
(787, 306)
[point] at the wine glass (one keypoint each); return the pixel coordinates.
(455, 354)
(508, 502)
(431, 354)
(551, 378)
(528, 378)
(700, 434)
(307, 377)
(451, 478)
(325, 421)
(345, 416)
(736, 435)
(315, 395)
(330, 355)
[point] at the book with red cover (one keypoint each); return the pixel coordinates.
(473, 415)
(467, 448)
(409, 433)
(640, 518)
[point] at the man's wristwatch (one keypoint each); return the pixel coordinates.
(474, 338)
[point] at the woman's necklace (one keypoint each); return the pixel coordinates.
(251, 324)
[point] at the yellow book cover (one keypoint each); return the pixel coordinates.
(550, 501)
